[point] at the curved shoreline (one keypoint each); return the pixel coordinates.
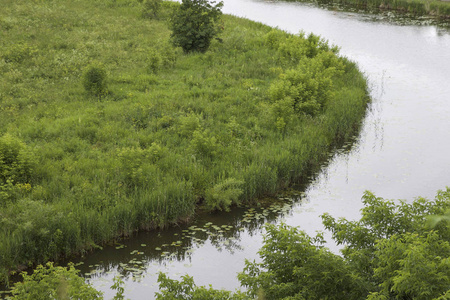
(203, 127)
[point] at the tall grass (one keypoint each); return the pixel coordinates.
(169, 131)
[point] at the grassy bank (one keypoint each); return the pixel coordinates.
(170, 132)
(432, 8)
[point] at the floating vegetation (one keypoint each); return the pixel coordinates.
(142, 152)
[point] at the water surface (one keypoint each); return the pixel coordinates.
(400, 153)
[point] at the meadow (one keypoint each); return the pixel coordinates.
(168, 133)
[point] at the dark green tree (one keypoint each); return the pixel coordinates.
(195, 23)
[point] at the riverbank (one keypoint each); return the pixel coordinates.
(435, 9)
(173, 131)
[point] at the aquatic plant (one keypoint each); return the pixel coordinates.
(172, 131)
(390, 252)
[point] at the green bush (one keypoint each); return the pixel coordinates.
(298, 266)
(51, 282)
(223, 194)
(18, 53)
(16, 160)
(194, 24)
(154, 61)
(393, 252)
(94, 80)
(17, 164)
(204, 145)
(107, 168)
(186, 289)
(151, 8)
(309, 87)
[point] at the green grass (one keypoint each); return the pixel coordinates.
(169, 132)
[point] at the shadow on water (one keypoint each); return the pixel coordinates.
(403, 136)
(139, 258)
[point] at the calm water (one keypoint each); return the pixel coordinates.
(401, 152)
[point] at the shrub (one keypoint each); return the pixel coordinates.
(94, 80)
(194, 24)
(151, 8)
(309, 86)
(392, 252)
(189, 124)
(51, 282)
(16, 160)
(203, 145)
(18, 53)
(187, 289)
(223, 194)
(16, 167)
(154, 61)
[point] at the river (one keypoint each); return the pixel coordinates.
(402, 152)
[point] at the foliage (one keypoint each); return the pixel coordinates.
(383, 219)
(16, 160)
(171, 133)
(17, 164)
(412, 265)
(309, 87)
(203, 145)
(390, 253)
(94, 80)
(186, 289)
(151, 8)
(154, 61)
(298, 266)
(118, 286)
(223, 194)
(194, 24)
(52, 282)
(18, 53)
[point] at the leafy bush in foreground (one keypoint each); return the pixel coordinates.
(395, 251)
(172, 132)
(392, 252)
(52, 282)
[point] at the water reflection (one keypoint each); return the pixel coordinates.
(138, 259)
(401, 152)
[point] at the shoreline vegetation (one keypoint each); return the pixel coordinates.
(106, 128)
(431, 8)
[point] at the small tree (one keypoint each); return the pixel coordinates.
(194, 24)
(94, 80)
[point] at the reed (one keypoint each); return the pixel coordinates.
(168, 132)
